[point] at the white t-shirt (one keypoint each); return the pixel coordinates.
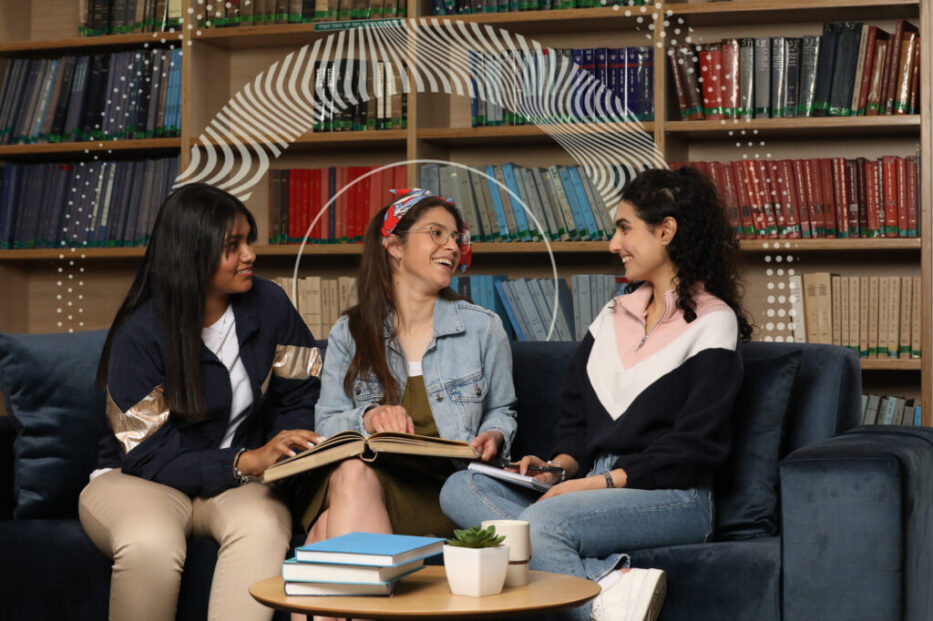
(414, 369)
(220, 338)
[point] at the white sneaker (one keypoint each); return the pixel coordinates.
(636, 596)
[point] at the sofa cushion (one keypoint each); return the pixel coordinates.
(747, 484)
(48, 383)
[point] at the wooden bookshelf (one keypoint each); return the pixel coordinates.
(221, 61)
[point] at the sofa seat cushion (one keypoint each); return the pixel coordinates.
(721, 581)
(747, 484)
(52, 571)
(48, 383)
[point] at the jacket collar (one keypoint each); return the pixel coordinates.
(636, 302)
(447, 321)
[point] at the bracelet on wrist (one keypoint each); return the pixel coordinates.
(238, 475)
(609, 482)
(563, 471)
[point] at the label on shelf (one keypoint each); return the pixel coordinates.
(357, 23)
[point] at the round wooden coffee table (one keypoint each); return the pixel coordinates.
(426, 594)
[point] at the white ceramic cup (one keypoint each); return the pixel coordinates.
(518, 538)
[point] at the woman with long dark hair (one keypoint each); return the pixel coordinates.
(645, 406)
(413, 356)
(211, 376)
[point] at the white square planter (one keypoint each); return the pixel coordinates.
(476, 571)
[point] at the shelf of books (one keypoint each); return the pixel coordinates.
(812, 118)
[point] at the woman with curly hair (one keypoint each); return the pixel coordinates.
(645, 406)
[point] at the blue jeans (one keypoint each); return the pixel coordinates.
(585, 533)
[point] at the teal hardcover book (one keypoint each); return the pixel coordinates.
(374, 549)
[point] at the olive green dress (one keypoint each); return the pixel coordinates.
(410, 486)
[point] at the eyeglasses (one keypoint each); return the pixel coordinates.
(440, 235)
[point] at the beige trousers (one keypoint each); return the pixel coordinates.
(143, 526)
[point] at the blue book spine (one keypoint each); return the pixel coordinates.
(497, 204)
(565, 302)
(918, 417)
(645, 83)
(509, 311)
(631, 83)
(614, 58)
(589, 218)
(601, 71)
(567, 183)
(576, 107)
(495, 304)
(438, 8)
(474, 100)
(521, 218)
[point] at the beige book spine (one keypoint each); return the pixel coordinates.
(915, 320)
(347, 287)
(903, 342)
(884, 312)
(854, 303)
(797, 312)
(873, 317)
(843, 283)
(863, 315)
(894, 315)
(836, 309)
(326, 323)
(811, 307)
(333, 303)
(315, 324)
(825, 307)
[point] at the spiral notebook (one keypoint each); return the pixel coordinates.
(510, 477)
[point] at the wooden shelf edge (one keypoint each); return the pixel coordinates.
(891, 364)
(95, 146)
(815, 245)
(889, 121)
(754, 6)
(513, 247)
(79, 42)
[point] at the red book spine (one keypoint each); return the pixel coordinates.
(304, 194)
(774, 217)
(753, 186)
(902, 226)
(380, 194)
(889, 84)
(915, 79)
(743, 199)
(825, 185)
(913, 191)
(363, 212)
(873, 206)
(783, 177)
(865, 78)
(678, 82)
(853, 195)
(814, 198)
(795, 179)
(401, 176)
(730, 78)
(862, 196)
(841, 197)
(726, 185)
(889, 195)
(711, 73)
(340, 230)
(313, 206)
(293, 205)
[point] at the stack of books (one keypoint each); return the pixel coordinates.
(356, 564)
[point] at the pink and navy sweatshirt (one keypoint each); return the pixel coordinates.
(659, 397)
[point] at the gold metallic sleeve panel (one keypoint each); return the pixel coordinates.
(294, 362)
(140, 421)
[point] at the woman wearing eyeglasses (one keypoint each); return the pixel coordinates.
(413, 356)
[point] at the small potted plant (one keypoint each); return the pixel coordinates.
(476, 561)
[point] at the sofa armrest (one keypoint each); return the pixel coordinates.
(857, 526)
(7, 437)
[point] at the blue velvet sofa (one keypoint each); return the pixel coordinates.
(816, 518)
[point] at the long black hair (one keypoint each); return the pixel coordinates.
(377, 299)
(183, 254)
(704, 250)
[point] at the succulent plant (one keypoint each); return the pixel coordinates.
(476, 537)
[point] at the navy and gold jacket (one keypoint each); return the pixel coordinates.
(283, 366)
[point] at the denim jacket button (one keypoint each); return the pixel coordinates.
(358, 390)
(440, 397)
(477, 390)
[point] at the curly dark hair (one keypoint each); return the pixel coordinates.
(704, 250)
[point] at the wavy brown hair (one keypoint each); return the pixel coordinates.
(368, 319)
(705, 249)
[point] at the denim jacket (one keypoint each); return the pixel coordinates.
(467, 370)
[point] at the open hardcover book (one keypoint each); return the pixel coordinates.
(348, 444)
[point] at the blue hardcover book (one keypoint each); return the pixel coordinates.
(615, 57)
(918, 416)
(631, 83)
(566, 183)
(518, 208)
(586, 209)
(497, 204)
(644, 88)
(429, 178)
(565, 302)
(493, 303)
(601, 72)
(578, 81)
(536, 322)
(370, 549)
(504, 298)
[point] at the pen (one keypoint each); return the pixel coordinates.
(555, 469)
